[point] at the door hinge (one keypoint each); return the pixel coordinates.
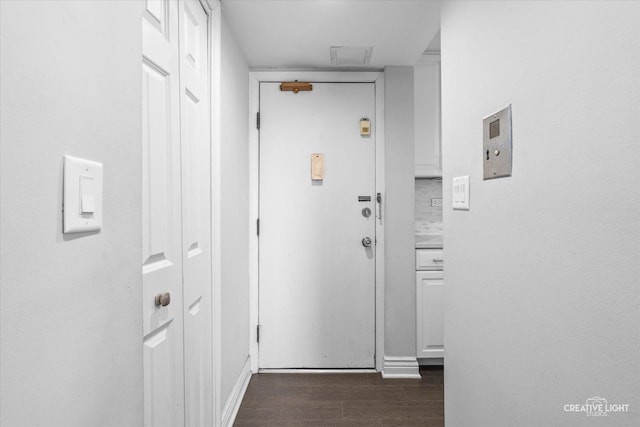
(258, 227)
(258, 333)
(258, 120)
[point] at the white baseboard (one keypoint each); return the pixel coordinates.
(234, 400)
(317, 371)
(400, 367)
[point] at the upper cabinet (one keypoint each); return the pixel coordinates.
(428, 157)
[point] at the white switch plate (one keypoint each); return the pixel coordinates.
(460, 190)
(82, 195)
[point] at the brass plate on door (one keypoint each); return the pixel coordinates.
(317, 167)
(296, 87)
(365, 127)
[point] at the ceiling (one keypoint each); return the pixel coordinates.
(298, 34)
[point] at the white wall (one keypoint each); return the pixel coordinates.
(235, 210)
(542, 274)
(400, 289)
(70, 306)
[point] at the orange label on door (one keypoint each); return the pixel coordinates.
(317, 167)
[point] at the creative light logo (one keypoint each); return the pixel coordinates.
(596, 407)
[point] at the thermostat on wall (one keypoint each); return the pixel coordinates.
(82, 209)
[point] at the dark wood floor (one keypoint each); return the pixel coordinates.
(283, 400)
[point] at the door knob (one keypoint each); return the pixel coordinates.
(366, 242)
(163, 299)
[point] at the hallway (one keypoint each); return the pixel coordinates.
(343, 399)
(178, 213)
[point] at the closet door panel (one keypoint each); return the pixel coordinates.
(161, 218)
(196, 211)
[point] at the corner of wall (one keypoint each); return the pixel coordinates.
(234, 211)
(399, 240)
(232, 405)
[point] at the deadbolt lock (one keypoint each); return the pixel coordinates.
(163, 299)
(366, 212)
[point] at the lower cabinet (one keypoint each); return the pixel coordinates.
(429, 312)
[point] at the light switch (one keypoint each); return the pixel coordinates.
(460, 193)
(87, 195)
(88, 205)
(82, 195)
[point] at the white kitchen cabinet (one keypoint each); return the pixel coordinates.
(428, 159)
(430, 314)
(429, 259)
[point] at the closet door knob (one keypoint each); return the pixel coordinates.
(163, 299)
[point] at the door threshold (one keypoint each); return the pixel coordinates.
(318, 371)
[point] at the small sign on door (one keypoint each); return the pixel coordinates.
(365, 127)
(317, 167)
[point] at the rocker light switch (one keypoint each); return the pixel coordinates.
(460, 190)
(87, 195)
(82, 195)
(88, 205)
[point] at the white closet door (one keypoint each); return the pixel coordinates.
(161, 201)
(196, 212)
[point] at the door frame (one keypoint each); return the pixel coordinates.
(255, 78)
(214, 12)
(213, 9)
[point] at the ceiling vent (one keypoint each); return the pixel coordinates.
(351, 55)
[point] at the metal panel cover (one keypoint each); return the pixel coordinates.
(497, 144)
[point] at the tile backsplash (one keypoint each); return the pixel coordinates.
(428, 214)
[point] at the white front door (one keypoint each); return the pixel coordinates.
(176, 221)
(316, 278)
